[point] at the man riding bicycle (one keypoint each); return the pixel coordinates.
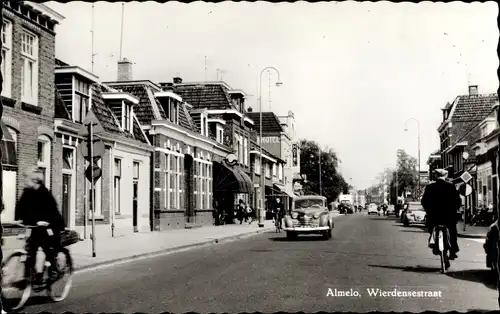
(37, 207)
(441, 201)
(279, 213)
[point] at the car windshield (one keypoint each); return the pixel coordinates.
(305, 203)
(345, 202)
(415, 206)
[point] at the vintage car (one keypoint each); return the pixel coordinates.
(309, 215)
(413, 214)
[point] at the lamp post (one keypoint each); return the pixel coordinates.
(465, 156)
(262, 172)
(418, 143)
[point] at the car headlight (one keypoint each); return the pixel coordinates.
(316, 215)
(295, 215)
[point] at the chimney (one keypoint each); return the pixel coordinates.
(473, 90)
(124, 70)
(249, 109)
(177, 80)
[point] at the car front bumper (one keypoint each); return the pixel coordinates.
(306, 229)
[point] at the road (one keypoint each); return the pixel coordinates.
(268, 273)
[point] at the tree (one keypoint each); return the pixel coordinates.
(405, 174)
(332, 181)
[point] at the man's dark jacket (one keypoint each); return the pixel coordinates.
(441, 201)
(39, 205)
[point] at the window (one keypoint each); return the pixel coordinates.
(245, 151)
(6, 58)
(219, 134)
(240, 149)
(171, 110)
(268, 170)
(44, 150)
(80, 106)
(67, 158)
(203, 189)
(127, 117)
(280, 172)
(117, 185)
(274, 170)
(136, 170)
(29, 68)
(173, 181)
(257, 166)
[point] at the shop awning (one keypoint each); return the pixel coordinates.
(8, 147)
(231, 179)
(283, 190)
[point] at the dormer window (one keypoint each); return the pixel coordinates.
(122, 106)
(170, 103)
(80, 105)
(204, 124)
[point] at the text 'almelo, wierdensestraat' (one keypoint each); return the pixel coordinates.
(381, 293)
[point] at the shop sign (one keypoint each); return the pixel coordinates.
(295, 157)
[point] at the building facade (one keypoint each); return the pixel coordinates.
(291, 154)
(28, 46)
(122, 194)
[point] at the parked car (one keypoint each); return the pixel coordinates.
(309, 215)
(414, 214)
(390, 210)
(492, 236)
(373, 209)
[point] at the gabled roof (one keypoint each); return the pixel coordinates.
(473, 108)
(210, 96)
(270, 122)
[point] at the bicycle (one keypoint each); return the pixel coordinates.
(443, 246)
(277, 223)
(32, 283)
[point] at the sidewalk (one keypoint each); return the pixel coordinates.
(122, 248)
(475, 232)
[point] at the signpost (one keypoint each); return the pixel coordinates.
(92, 150)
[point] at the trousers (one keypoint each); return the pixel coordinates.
(50, 245)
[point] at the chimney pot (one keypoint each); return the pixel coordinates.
(473, 90)
(177, 80)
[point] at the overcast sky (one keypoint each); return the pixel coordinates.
(352, 73)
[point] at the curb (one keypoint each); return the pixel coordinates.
(472, 236)
(173, 249)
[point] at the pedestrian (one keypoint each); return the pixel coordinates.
(249, 214)
(241, 211)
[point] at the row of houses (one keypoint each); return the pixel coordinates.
(469, 143)
(174, 151)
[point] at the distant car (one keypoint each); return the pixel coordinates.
(390, 210)
(414, 214)
(309, 215)
(346, 206)
(373, 209)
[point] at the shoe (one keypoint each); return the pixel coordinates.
(447, 264)
(453, 256)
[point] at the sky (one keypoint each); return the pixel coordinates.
(353, 73)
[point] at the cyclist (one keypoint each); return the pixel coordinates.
(441, 201)
(38, 207)
(279, 213)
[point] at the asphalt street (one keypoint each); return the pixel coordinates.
(268, 273)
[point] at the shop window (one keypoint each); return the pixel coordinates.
(44, 151)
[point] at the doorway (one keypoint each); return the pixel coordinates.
(66, 198)
(134, 205)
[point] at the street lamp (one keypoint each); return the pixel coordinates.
(262, 173)
(418, 130)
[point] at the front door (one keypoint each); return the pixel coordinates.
(66, 198)
(134, 205)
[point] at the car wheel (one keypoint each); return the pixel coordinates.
(291, 235)
(326, 235)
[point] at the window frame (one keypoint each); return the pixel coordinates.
(47, 154)
(26, 60)
(7, 60)
(117, 169)
(127, 114)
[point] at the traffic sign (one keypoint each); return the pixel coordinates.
(466, 177)
(98, 149)
(97, 127)
(97, 172)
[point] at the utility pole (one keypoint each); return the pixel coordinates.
(320, 182)
(92, 183)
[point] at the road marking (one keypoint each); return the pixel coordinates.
(476, 240)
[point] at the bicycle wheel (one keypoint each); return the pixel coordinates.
(441, 251)
(10, 299)
(64, 269)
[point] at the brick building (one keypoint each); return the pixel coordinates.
(222, 109)
(122, 199)
(28, 45)
(187, 152)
